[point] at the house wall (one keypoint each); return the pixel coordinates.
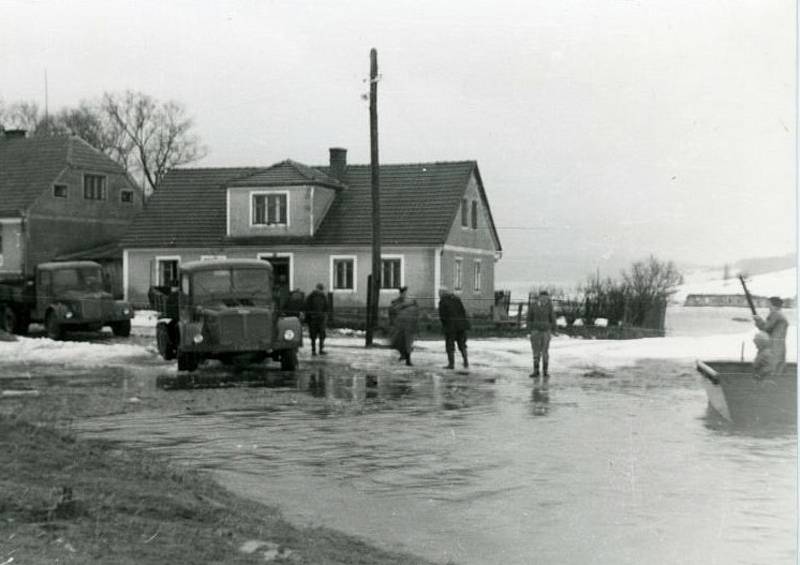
(12, 247)
(298, 210)
(57, 226)
(475, 302)
(310, 266)
(480, 238)
(322, 200)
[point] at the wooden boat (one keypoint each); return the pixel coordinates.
(741, 398)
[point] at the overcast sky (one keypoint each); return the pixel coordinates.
(604, 130)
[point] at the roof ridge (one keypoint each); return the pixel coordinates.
(420, 163)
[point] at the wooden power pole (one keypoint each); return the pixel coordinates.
(374, 296)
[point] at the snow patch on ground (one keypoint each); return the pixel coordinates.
(729, 340)
(75, 353)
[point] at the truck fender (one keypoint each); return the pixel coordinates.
(289, 323)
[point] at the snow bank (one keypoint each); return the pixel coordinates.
(74, 353)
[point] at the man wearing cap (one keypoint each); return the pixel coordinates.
(454, 326)
(775, 325)
(403, 314)
(317, 318)
(541, 321)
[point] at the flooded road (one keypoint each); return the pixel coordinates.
(598, 467)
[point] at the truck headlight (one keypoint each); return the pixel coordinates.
(68, 314)
(126, 311)
(288, 335)
(198, 338)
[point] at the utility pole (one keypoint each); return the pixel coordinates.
(373, 298)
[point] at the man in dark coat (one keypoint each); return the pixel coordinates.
(317, 318)
(403, 314)
(454, 326)
(776, 326)
(541, 321)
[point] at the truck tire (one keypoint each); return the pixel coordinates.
(166, 348)
(187, 361)
(11, 322)
(289, 360)
(53, 327)
(121, 329)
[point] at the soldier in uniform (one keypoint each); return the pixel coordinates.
(541, 321)
(454, 326)
(317, 318)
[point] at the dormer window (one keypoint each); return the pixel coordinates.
(94, 187)
(270, 209)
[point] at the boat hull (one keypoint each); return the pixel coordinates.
(736, 395)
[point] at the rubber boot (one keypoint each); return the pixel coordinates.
(408, 359)
(545, 362)
(321, 350)
(450, 360)
(313, 348)
(466, 359)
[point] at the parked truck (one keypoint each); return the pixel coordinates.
(224, 309)
(64, 296)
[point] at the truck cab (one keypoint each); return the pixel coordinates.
(225, 310)
(64, 296)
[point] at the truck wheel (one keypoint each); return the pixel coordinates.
(165, 346)
(289, 360)
(53, 327)
(187, 361)
(9, 320)
(121, 329)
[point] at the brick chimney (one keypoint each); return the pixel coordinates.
(14, 134)
(338, 162)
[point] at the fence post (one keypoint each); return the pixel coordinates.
(519, 315)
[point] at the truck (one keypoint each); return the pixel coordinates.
(64, 296)
(224, 309)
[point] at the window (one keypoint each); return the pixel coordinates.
(94, 187)
(343, 274)
(167, 271)
(126, 196)
(391, 273)
(60, 190)
(474, 214)
(476, 286)
(458, 274)
(269, 209)
(464, 213)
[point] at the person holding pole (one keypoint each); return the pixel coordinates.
(775, 326)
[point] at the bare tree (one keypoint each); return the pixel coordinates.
(160, 133)
(647, 286)
(22, 115)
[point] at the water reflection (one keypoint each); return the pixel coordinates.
(540, 399)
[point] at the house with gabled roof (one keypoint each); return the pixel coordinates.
(59, 195)
(314, 225)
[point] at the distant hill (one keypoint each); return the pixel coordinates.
(759, 265)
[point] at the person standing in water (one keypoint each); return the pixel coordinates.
(541, 321)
